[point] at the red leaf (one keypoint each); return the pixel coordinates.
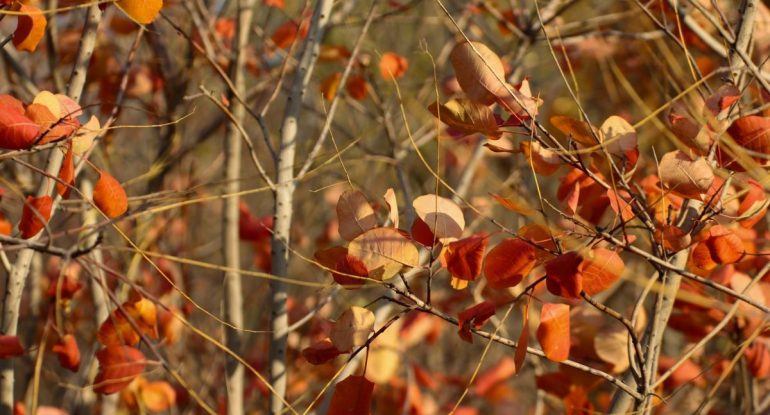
(474, 316)
(508, 263)
(350, 265)
(118, 366)
(66, 175)
(251, 228)
(17, 132)
(463, 258)
(321, 352)
(356, 87)
(109, 196)
(68, 352)
(30, 28)
(422, 234)
(599, 270)
(34, 216)
(563, 276)
(352, 396)
(553, 332)
(10, 346)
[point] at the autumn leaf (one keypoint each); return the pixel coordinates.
(30, 28)
(68, 352)
(390, 199)
(599, 270)
(467, 117)
(717, 245)
(474, 317)
(109, 196)
(751, 133)
(66, 175)
(352, 329)
(17, 132)
(517, 205)
(384, 252)
(354, 214)
(579, 131)
(684, 176)
(444, 218)
(10, 346)
(285, 34)
(392, 65)
(497, 373)
(117, 328)
(330, 85)
(118, 366)
(141, 11)
(352, 396)
(509, 262)
(553, 332)
(478, 70)
(544, 161)
(563, 276)
(463, 258)
(422, 234)
(521, 345)
(157, 396)
(320, 352)
(356, 87)
(35, 215)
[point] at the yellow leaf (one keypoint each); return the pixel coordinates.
(141, 11)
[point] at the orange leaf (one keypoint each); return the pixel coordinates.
(600, 269)
(10, 346)
(563, 276)
(474, 316)
(53, 126)
(34, 216)
(109, 196)
(467, 117)
(553, 332)
(719, 245)
(463, 258)
(620, 204)
(66, 174)
(320, 352)
(508, 263)
(141, 11)
(392, 65)
(68, 352)
(352, 396)
(278, 4)
(519, 206)
(330, 85)
(752, 133)
(157, 396)
(117, 328)
(544, 161)
(17, 132)
(118, 366)
(523, 342)
(30, 28)
(578, 130)
(499, 372)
